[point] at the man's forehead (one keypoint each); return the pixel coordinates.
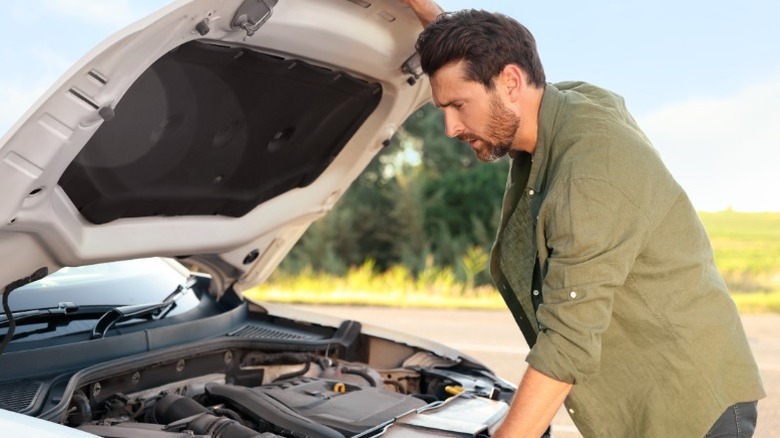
(450, 83)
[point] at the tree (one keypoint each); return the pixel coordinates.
(424, 197)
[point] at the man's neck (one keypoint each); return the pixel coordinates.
(527, 134)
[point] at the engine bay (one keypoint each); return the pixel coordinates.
(247, 373)
(245, 393)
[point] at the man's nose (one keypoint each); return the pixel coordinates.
(452, 124)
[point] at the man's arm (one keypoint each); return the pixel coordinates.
(426, 10)
(534, 406)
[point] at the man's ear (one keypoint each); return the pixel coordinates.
(513, 80)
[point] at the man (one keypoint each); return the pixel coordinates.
(600, 255)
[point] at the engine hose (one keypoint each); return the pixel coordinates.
(173, 408)
(218, 427)
(229, 413)
(293, 374)
(362, 373)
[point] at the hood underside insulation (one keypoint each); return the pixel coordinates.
(215, 130)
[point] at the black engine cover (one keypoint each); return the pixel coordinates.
(315, 407)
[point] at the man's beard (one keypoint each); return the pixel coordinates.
(501, 130)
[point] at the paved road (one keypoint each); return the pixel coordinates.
(492, 337)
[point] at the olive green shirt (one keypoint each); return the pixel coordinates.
(626, 302)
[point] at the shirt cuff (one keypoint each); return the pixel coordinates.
(548, 359)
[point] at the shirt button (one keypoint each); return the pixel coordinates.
(531, 192)
(573, 294)
(571, 411)
(536, 293)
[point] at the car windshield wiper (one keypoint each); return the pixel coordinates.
(21, 315)
(152, 310)
(110, 315)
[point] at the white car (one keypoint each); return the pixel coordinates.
(210, 135)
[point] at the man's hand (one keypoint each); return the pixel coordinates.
(535, 404)
(426, 10)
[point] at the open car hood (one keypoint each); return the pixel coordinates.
(212, 131)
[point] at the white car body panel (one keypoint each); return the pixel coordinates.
(18, 425)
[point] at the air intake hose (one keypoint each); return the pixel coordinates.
(173, 408)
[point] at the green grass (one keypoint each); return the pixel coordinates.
(768, 302)
(310, 290)
(364, 286)
(747, 251)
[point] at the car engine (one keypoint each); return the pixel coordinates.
(239, 394)
(235, 370)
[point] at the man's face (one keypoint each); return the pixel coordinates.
(473, 114)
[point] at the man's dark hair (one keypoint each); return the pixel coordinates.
(486, 41)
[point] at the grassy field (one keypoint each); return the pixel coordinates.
(747, 251)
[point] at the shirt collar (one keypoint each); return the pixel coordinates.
(548, 111)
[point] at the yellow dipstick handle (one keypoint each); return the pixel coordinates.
(340, 387)
(454, 390)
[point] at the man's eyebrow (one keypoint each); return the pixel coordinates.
(442, 105)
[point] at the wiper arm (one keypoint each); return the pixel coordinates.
(61, 309)
(152, 310)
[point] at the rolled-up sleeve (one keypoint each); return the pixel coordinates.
(592, 232)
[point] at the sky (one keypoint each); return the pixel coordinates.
(701, 77)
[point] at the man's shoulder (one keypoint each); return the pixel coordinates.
(596, 138)
(590, 92)
(587, 114)
(585, 100)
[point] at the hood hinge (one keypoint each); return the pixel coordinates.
(252, 14)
